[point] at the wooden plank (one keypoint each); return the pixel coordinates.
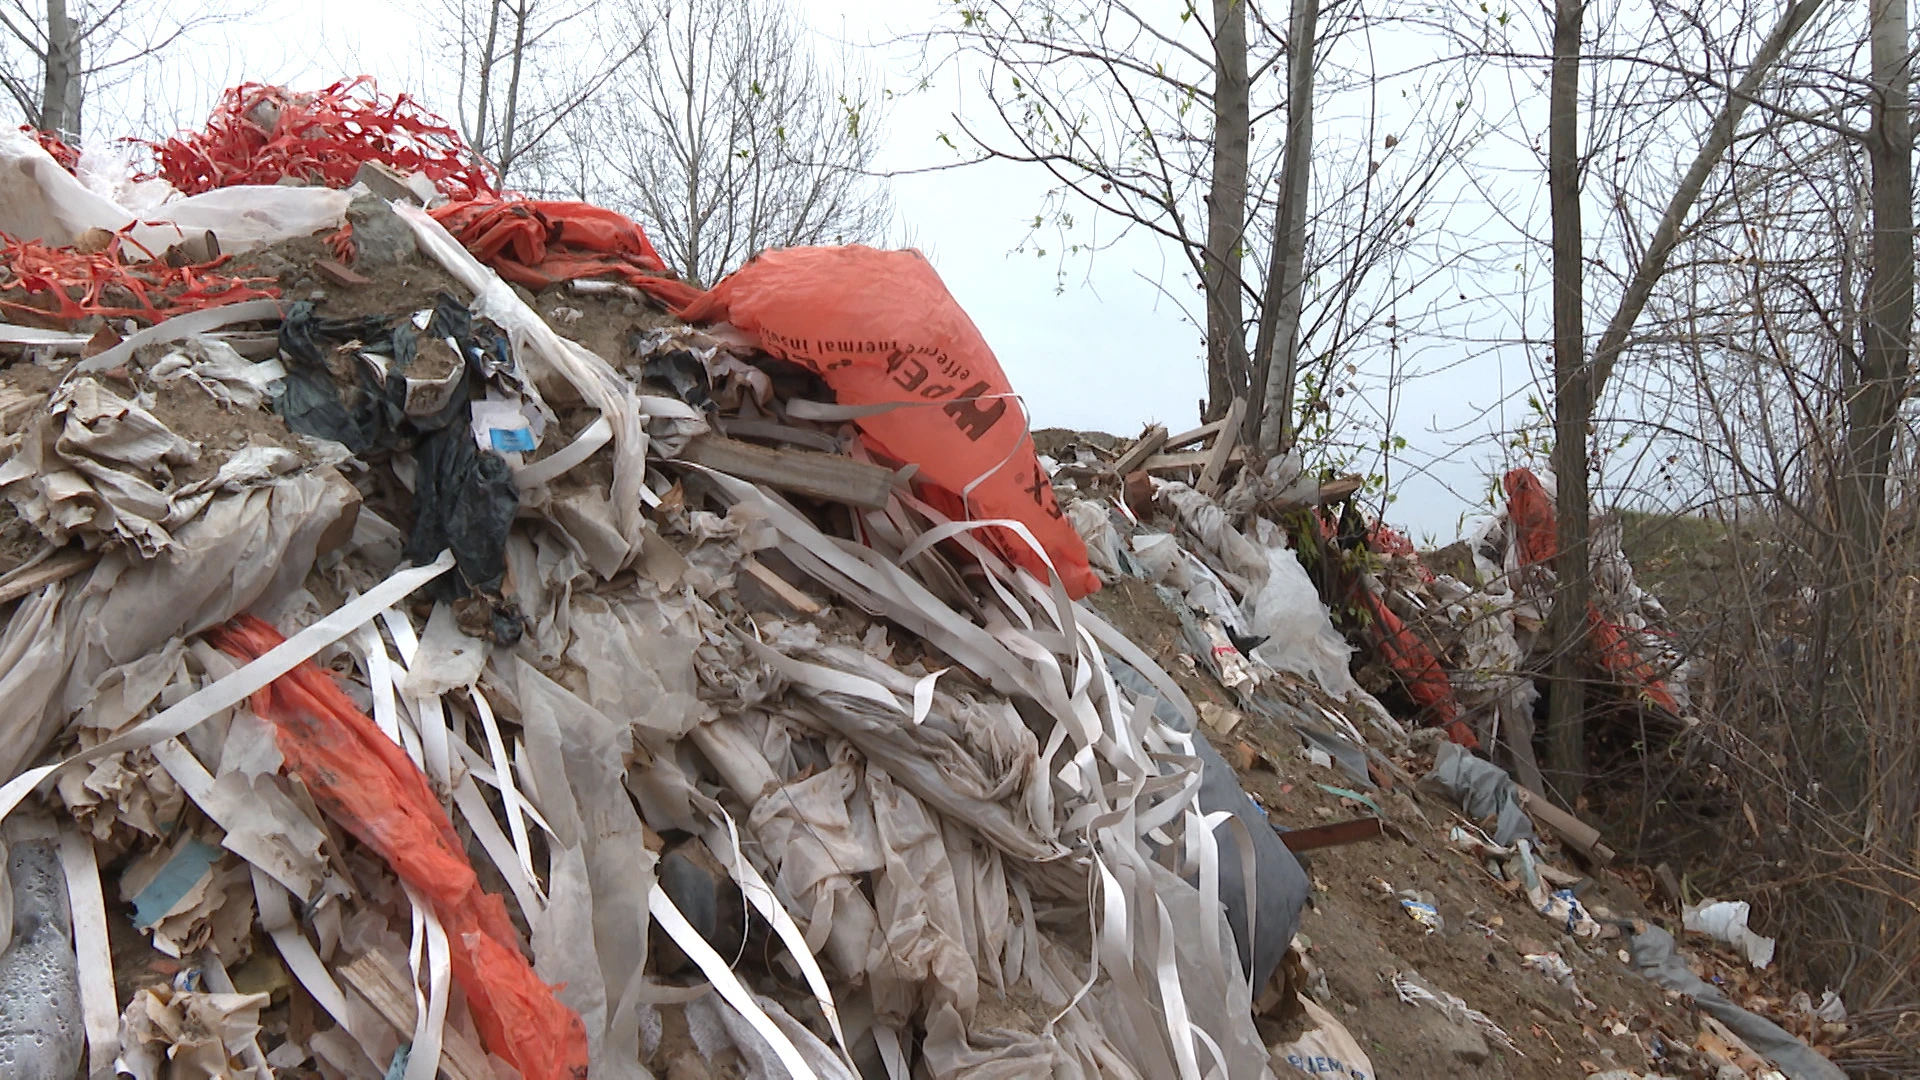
(1148, 444)
(1222, 447)
(1335, 835)
(776, 432)
(391, 995)
(1576, 833)
(780, 587)
(1188, 438)
(1334, 490)
(803, 472)
(1193, 459)
(58, 567)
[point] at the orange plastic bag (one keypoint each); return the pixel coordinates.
(881, 329)
(366, 783)
(1410, 659)
(536, 244)
(1530, 509)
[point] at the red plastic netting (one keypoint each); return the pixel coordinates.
(259, 134)
(42, 282)
(66, 156)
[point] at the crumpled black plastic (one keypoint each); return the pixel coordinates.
(464, 497)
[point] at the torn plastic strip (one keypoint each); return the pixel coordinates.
(276, 917)
(714, 967)
(373, 652)
(423, 1058)
(910, 603)
(825, 679)
(477, 767)
(1114, 943)
(1203, 857)
(1173, 999)
(98, 1005)
(238, 686)
(888, 1041)
(755, 888)
(509, 794)
(923, 696)
(997, 569)
(1062, 607)
(1139, 661)
(473, 807)
(560, 462)
(179, 328)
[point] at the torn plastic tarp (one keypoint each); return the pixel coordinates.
(364, 781)
(1286, 610)
(1483, 789)
(39, 200)
(252, 547)
(1414, 663)
(1726, 921)
(1656, 957)
(537, 243)
(98, 467)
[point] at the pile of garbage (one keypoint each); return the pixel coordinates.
(454, 645)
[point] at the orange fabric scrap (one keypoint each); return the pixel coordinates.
(366, 783)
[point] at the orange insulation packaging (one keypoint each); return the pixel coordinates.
(365, 783)
(882, 330)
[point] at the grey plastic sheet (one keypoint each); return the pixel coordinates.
(1656, 957)
(1482, 789)
(1279, 885)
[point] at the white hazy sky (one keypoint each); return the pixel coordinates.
(1107, 352)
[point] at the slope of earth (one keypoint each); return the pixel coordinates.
(1356, 936)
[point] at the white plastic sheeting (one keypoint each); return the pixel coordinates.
(39, 200)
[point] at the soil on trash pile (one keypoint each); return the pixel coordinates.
(391, 290)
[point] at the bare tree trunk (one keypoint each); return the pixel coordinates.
(1276, 349)
(1666, 235)
(1572, 410)
(60, 89)
(486, 78)
(510, 122)
(1227, 208)
(1884, 378)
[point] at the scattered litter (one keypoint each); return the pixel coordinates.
(1326, 1048)
(1725, 921)
(1413, 990)
(1553, 967)
(1423, 913)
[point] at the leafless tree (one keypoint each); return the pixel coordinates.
(521, 69)
(1170, 121)
(730, 136)
(53, 54)
(1276, 350)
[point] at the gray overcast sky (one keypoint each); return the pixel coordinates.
(1107, 352)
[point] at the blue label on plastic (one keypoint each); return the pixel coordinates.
(511, 440)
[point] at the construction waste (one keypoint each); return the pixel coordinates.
(412, 673)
